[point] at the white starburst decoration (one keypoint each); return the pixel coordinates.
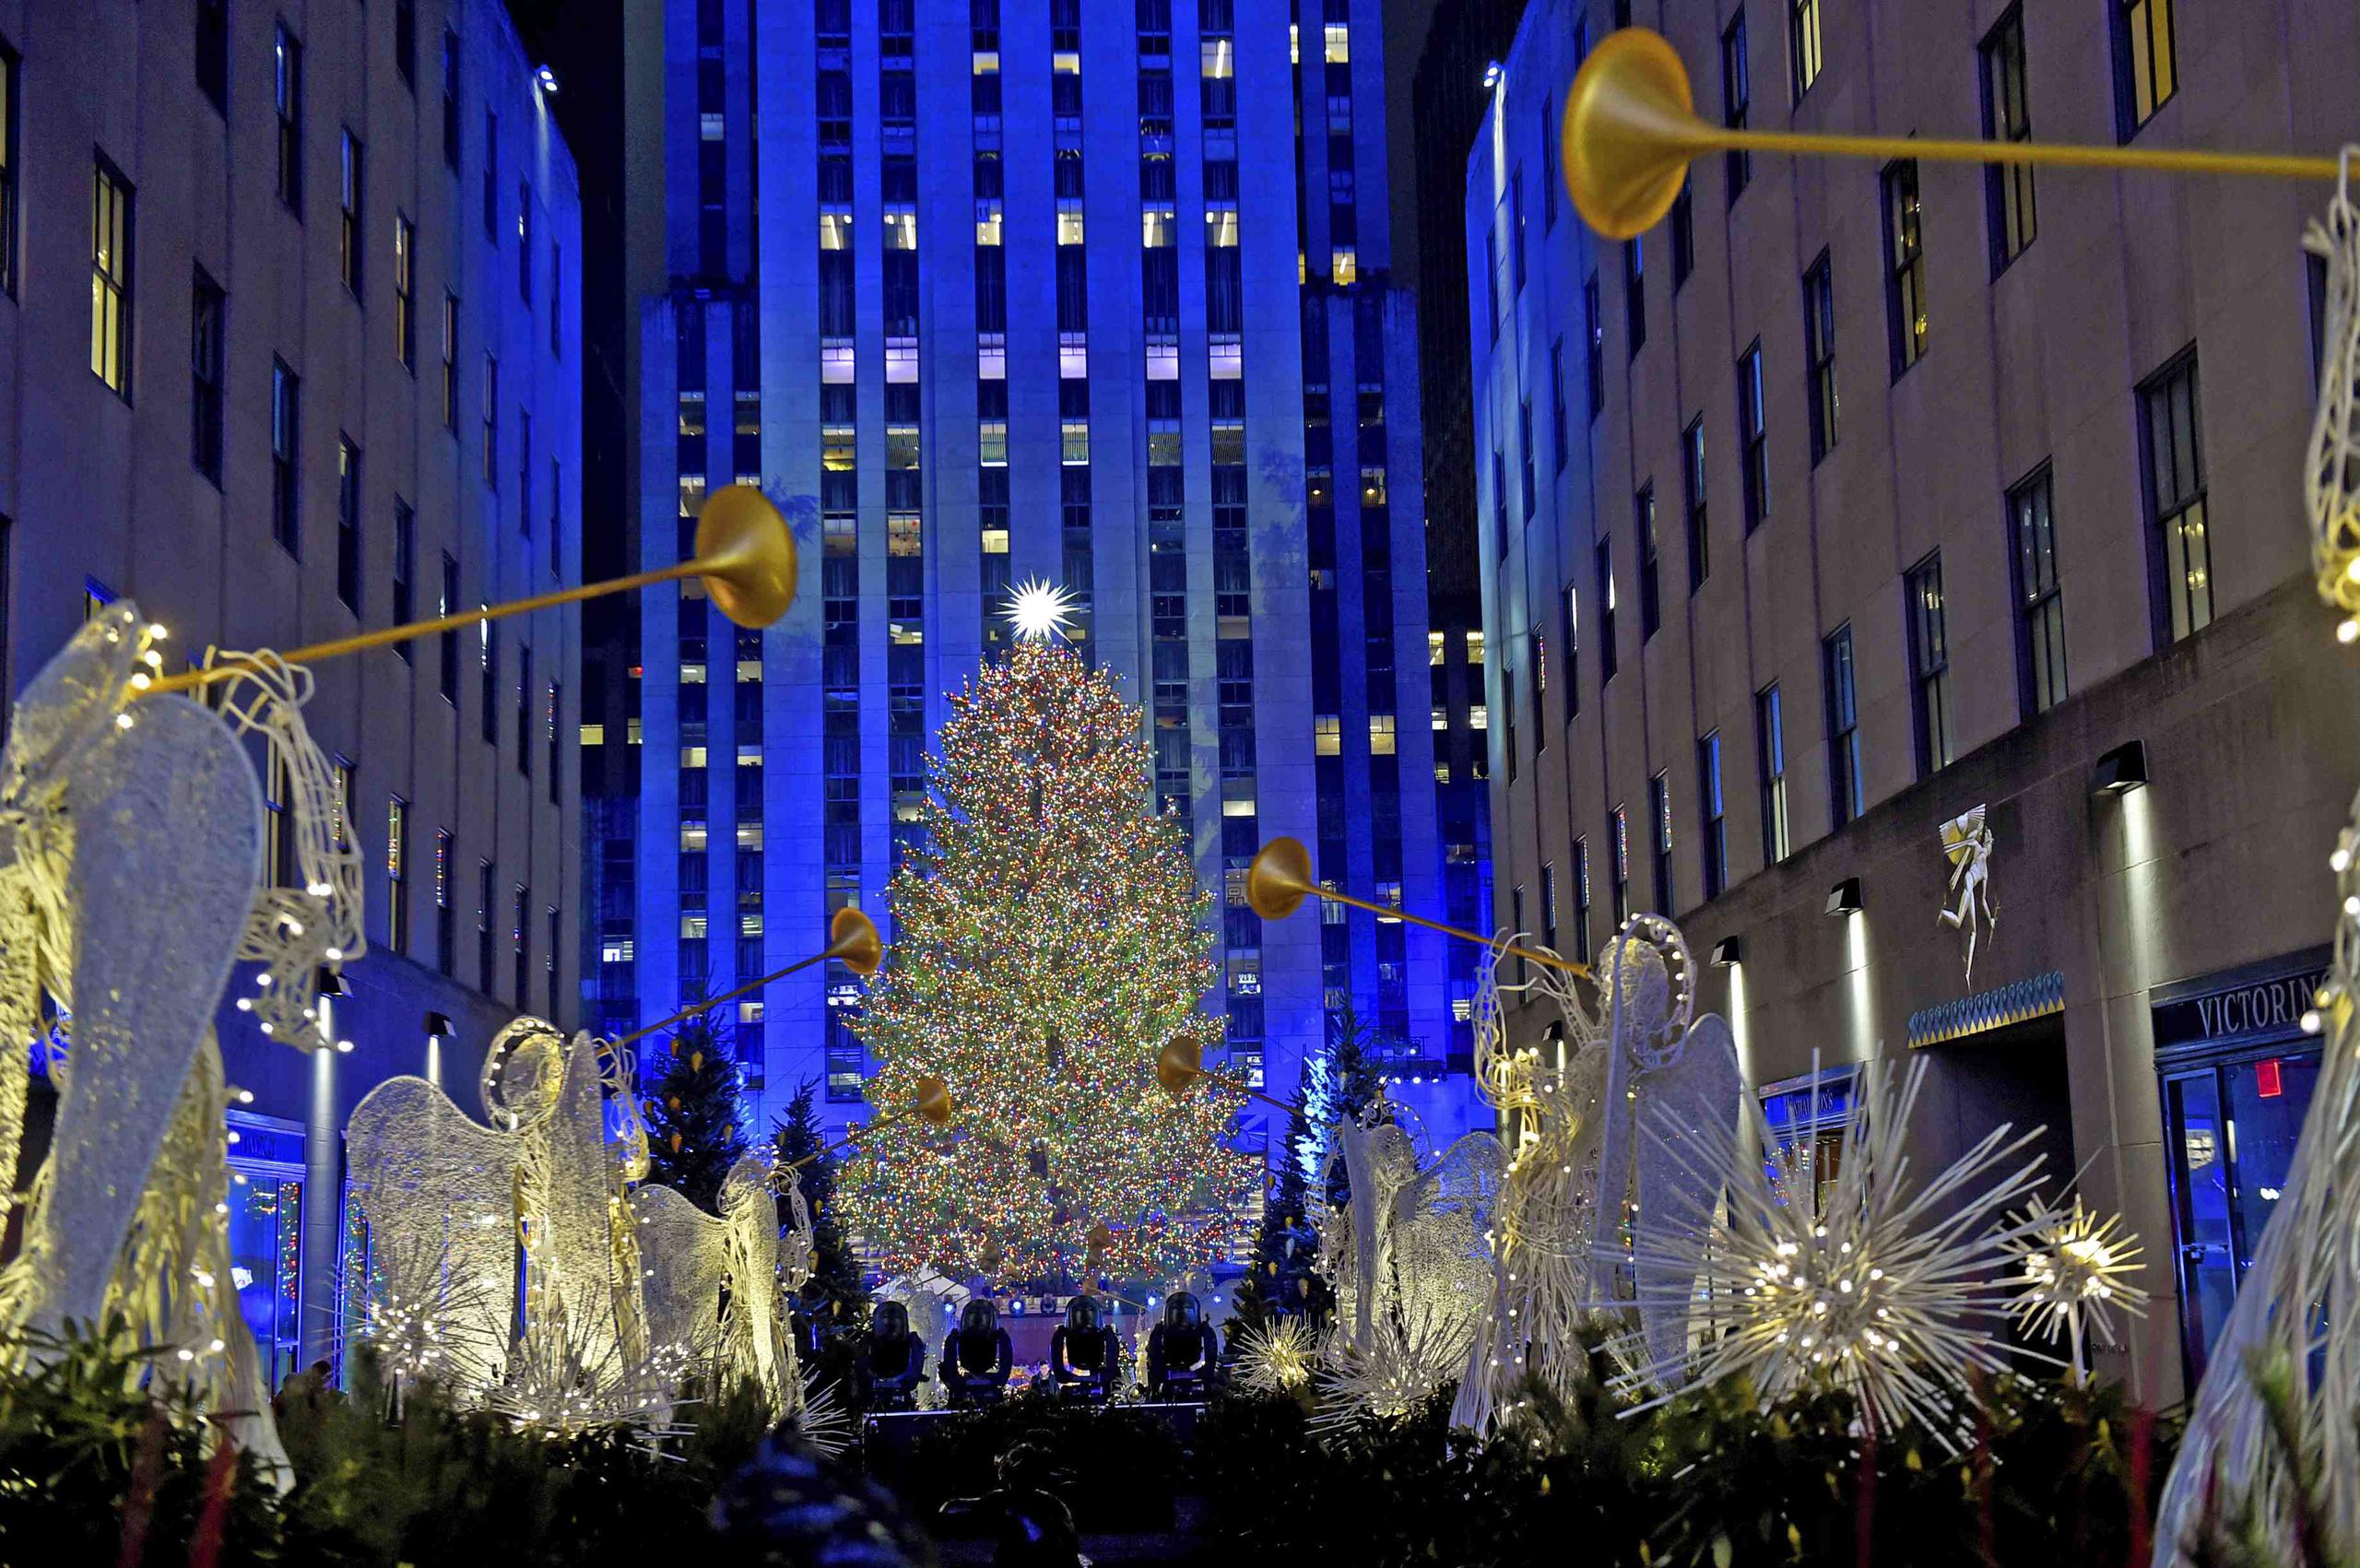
(2076, 1266)
(1402, 1364)
(1276, 1359)
(1040, 609)
(1873, 1285)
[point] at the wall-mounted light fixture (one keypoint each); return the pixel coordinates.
(2121, 769)
(546, 79)
(1491, 74)
(1844, 898)
(1729, 952)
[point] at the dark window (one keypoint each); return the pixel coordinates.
(1491, 275)
(451, 362)
(2172, 445)
(287, 99)
(1618, 833)
(556, 758)
(491, 175)
(1581, 900)
(488, 678)
(8, 156)
(524, 709)
(487, 896)
(2006, 117)
(525, 243)
(2146, 62)
(446, 917)
(1499, 504)
(1803, 43)
(1752, 440)
(448, 605)
(1714, 845)
(213, 53)
(406, 41)
(557, 300)
(1572, 639)
(2040, 601)
(285, 440)
(1524, 433)
(405, 573)
(208, 327)
(1549, 906)
(451, 100)
(111, 242)
(1516, 924)
(406, 292)
(397, 874)
(491, 419)
(520, 934)
(1770, 764)
(1557, 403)
(1507, 718)
(349, 212)
(1650, 598)
(1594, 361)
(1691, 479)
(1634, 292)
(1548, 163)
(348, 523)
(1537, 658)
(1819, 353)
(1606, 651)
(1846, 791)
(1659, 839)
(1684, 236)
(1516, 241)
(1930, 666)
(1736, 92)
(1905, 257)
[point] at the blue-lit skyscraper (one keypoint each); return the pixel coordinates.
(1010, 290)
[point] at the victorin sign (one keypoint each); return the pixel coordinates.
(2225, 1010)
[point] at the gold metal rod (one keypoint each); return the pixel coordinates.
(730, 996)
(853, 1136)
(1940, 149)
(1228, 1082)
(387, 636)
(1548, 959)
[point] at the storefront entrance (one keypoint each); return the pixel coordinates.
(2237, 1073)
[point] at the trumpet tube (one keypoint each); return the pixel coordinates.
(853, 939)
(1280, 879)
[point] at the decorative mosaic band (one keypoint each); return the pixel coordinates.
(1996, 1009)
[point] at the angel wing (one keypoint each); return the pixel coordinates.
(1702, 1092)
(1961, 835)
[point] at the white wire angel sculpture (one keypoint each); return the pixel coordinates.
(1967, 841)
(2331, 469)
(713, 1284)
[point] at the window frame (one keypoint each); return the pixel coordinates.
(1902, 205)
(1694, 489)
(287, 107)
(2162, 87)
(352, 194)
(1806, 47)
(208, 374)
(1753, 437)
(348, 503)
(1737, 105)
(286, 458)
(1770, 773)
(1643, 522)
(1932, 721)
(1819, 355)
(2011, 204)
(1712, 809)
(2166, 603)
(1839, 680)
(11, 157)
(112, 263)
(1608, 660)
(2038, 604)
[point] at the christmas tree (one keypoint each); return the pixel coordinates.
(1338, 1084)
(1050, 939)
(695, 1125)
(833, 1295)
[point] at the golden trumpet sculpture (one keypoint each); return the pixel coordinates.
(852, 936)
(933, 1104)
(1631, 132)
(1182, 1063)
(744, 552)
(1280, 878)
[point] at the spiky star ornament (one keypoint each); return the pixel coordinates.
(1040, 610)
(2076, 1267)
(1276, 1359)
(1872, 1285)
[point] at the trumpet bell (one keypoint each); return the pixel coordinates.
(1180, 1063)
(1280, 876)
(853, 940)
(747, 555)
(1630, 132)
(934, 1101)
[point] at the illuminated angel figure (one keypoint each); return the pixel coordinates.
(1968, 842)
(712, 1285)
(2331, 469)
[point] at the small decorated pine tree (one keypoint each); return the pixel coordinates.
(696, 1123)
(833, 1295)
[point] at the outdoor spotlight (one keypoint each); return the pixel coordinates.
(547, 79)
(1729, 952)
(1844, 898)
(438, 1026)
(2121, 769)
(1491, 75)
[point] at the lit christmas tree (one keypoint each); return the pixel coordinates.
(833, 1294)
(695, 1124)
(1049, 939)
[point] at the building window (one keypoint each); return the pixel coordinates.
(1573, 645)
(1499, 503)
(2172, 446)
(1507, 717)
(1819, 350)
(1516, 228)
(1606, 654)
(555, 706)
(1715, 843)
(1845, 789)
(1659, 839)
(406, 292)
(1905, 257)
(520, 935)
(208, 325)
(451, 362)
(2040, 601)
(1643, 511)
(1635, 293)
(491, 175)
(1930, 666)
(1618, 832)
(1684, 236)
(1752, 437)
(448, 605)
(2006, 117)
(1581, 900)
(1770, 762)
(487, 897)
(111, 237)
(406, 41)
(1491, 275)
(491, 419)
(1516, 924)
(1557, 404)
(446, 931)
(525, 241)
(286, 439)
(349, 209)
(2146, 62)
(1593, 359)
(1549, 906)
(451, 100)
(9, 155)
(524, 709)
(1736, 94)
(405, 573)
(348, 523)
(1531, 490)
(487, 679)
(397, 874)
(1692, 484)
(1803, 43)
(287, 96)
(213, 53)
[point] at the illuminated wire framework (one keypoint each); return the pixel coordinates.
(2074, 1268)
